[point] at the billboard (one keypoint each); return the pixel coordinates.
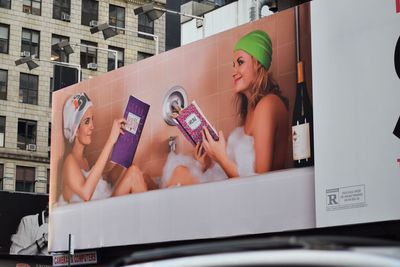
(86, 122)
(357, 107)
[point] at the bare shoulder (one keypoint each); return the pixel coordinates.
(70, 160)
(70, 164)
(269, 105)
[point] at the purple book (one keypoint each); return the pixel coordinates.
(191, 121)
(125, 147)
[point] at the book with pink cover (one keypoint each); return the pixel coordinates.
(191, 121)
(125, 148)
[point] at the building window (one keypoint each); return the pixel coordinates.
(30, 41)
(88, 54)
(25, 179)
(57, 54)
(90, 11)
(117, 16)
(4, 37)
(111, 58)
(49, 135)
(143, 55)
(26, 134)
(145, 25)
(3, 84)
(1, 176)
(48, 181)
(49, 139)
(28, 88)
(2, 131)
(51, 89)
(62, 9)
(32, 7)
(5, 4)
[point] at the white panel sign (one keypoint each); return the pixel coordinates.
(356, 107)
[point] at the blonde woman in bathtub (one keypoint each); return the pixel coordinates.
(82, 182)
(259, 145)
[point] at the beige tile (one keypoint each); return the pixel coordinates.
(142, 154)
(225, 47)
(226, 104)
(159, 147)
(202, 83)
(285, 27)
(209, 105)
(287, 84)
(199, 56)
(286, 58)
(175, 66)
(131, 83)
(225, 80)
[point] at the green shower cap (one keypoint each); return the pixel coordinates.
(257, 44)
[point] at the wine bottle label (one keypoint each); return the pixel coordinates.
(301, 141)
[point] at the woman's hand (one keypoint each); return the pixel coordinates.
(201, 156)
(216, 150)
(117, 128)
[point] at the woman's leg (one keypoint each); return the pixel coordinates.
(131, 181)
(181, 176)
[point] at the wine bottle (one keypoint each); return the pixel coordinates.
(302, 124)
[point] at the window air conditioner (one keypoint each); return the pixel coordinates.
(199, 23)
(27, 9)
(25, 54)
(92, 66)
(65, 17)
(93, 23)
(31, 147)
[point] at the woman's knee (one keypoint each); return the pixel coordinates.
(181, 176)
(133, 170)
(136, 177)
(181, 170)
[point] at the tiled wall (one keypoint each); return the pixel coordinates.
(203, 68)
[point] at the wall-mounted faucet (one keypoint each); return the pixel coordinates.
(174, 101)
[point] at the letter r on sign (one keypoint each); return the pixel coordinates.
(332, 199)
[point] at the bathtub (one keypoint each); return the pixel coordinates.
(272, 202)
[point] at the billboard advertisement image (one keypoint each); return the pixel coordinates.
(145, 153)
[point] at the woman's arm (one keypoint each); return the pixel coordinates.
(74, 179)
(263, 131)
(85, 188)
(217, 152)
